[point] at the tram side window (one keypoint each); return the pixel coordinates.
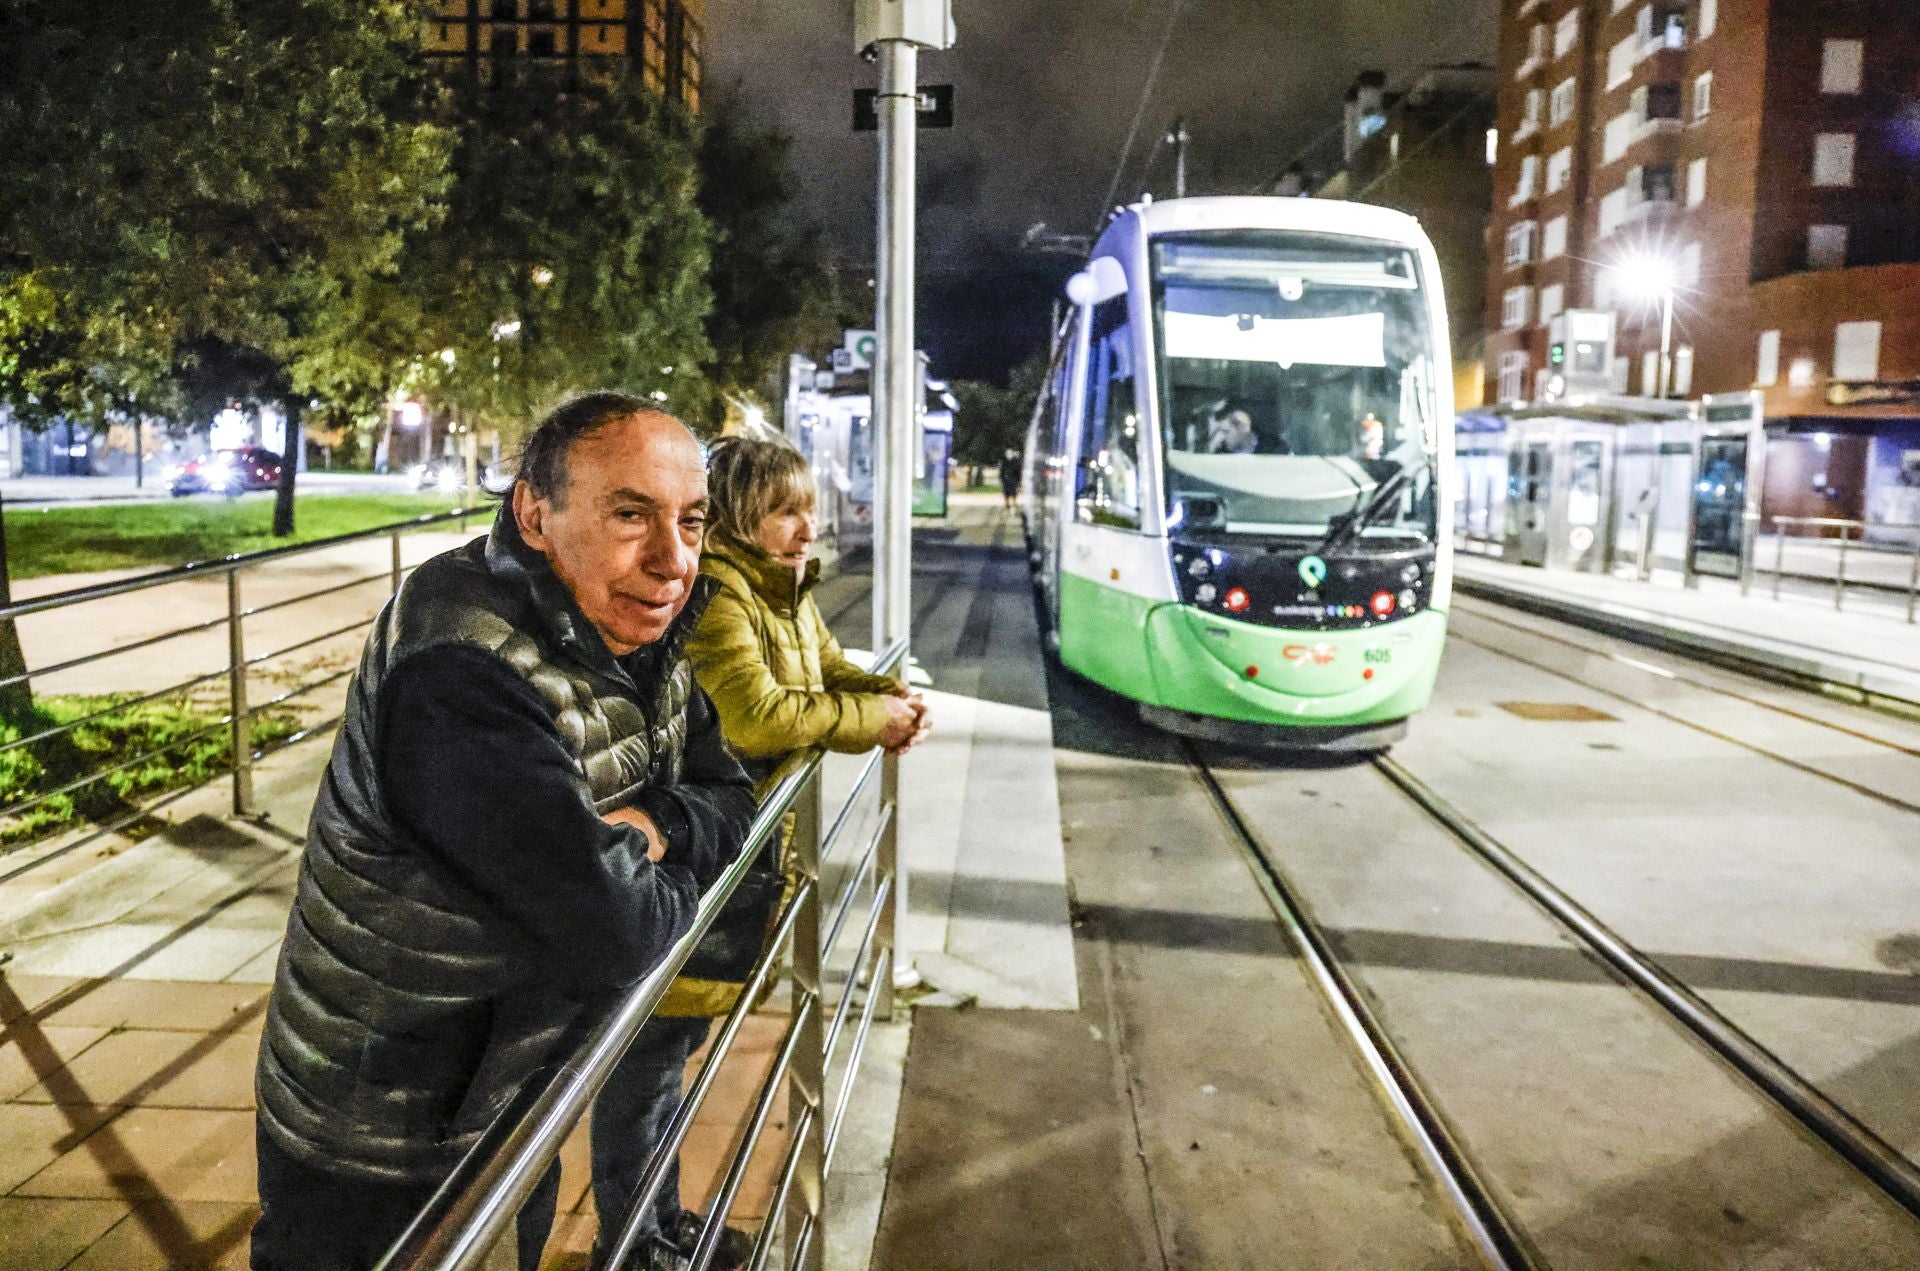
(1107, 480)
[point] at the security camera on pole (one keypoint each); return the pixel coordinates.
(896, 31)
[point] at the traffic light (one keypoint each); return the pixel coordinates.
(1557, 353)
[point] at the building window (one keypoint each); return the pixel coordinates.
(1552, 300)
(1560, 109)
(1613, 211)
(1529, 177)
(1696, 182)
(1826, 246)
(1520, 242)
(1656, 183)
(1656, 101)
(1553, 238)
(1833, 159)
(1840, 64)
(1703, 95)
(1530, 115)
(1856, 351)
(1621, 59)
(1566, 34)
(1766, 369)
(1709, 17)
(1689, 271)
(1537, 40)
(543, 43)
(1516, 307)
(1559, 169)
(1513, 375)
(1619, 135)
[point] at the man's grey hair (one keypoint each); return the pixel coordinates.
(543, 459)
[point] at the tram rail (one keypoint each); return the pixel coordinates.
(1492, 1230)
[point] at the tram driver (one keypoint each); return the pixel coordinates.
(1230, 431)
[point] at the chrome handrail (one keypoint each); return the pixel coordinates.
(476, 1205)
(239, 715)
(1847, 526)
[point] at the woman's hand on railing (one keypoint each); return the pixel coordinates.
(656, 841)
(908, 723)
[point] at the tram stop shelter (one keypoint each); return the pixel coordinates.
(1597, 484)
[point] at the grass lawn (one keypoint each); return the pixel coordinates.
(71, 540)
(184, 741)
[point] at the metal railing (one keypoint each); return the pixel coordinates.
(1850, 535)
(240, 710)
(477, 1205)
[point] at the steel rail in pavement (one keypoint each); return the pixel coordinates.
(1494, 1234)
(1839, 1129)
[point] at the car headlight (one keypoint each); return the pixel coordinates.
(450, 478)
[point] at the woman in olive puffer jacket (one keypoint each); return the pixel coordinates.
(778, 678)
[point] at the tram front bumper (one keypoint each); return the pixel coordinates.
(1208, 665)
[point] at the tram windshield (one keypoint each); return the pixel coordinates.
(1296, 380)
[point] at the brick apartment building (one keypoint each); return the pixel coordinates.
(570, 41)
(1768, 154)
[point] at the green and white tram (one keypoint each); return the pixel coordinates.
(1239, 468)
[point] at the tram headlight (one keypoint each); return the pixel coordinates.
(1204, 593)
(1410, 574)
(1408, 600)
(1201, 567)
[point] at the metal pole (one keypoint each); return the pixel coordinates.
(806, 1080)
(1779, 555)
(1749, 528)
(1666, 343)
(893, 379)
(1913, 583)
(396, 562)
(1840, 575)
(1179, 137)
(241, 733)
(139, 465)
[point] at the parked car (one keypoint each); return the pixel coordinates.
(227, 472)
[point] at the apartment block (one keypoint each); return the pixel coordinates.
(1765, 156)
(568, 42)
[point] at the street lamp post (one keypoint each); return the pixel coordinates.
(1653, 277)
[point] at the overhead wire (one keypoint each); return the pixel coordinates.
(1140, 110)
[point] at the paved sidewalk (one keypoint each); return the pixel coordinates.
(1867, 649)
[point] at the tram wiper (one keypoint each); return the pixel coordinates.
(1342, 529)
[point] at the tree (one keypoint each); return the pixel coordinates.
(204, 170)
(772, 289)
(572, 256)
(993, 420)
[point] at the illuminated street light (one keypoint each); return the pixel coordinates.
(1653, 277)
(506, 328)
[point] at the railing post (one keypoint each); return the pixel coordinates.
(886, 869)
(241, 732)
(807, 1079)
(1913, 582)
(1779, 554)
(1749, 533)
(396, 562)
(1840, 575)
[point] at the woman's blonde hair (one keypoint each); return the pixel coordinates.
(748, 481)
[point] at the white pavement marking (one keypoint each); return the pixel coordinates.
(987, 874)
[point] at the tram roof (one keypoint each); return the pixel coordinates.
(1172, 216)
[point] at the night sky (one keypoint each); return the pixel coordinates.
(1046, 90)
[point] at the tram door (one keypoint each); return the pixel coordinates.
(1529, 501)
(1719, 506)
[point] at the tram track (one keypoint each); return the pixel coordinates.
(1488, 1224)
(1643, 704)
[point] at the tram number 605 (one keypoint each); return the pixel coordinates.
(1379, 656)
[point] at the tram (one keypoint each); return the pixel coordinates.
(1239, 468)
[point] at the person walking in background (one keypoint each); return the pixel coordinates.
(1010, 478)
(528, 795)
(780, 684)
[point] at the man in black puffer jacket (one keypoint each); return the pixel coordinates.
(526, 800)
